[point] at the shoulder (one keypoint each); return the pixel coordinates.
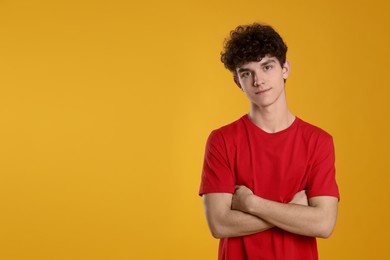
(230, 130)
(311, 131)
(318, 141)
(227, 135)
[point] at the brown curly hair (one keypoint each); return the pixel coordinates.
(251, 43)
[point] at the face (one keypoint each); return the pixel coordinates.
(263, 81)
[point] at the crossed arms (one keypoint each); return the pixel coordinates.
(243, 213)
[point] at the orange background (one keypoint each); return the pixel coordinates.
(105, 108)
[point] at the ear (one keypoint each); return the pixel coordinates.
(286, 69)
(235, 78)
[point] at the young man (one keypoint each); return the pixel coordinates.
(268, 181)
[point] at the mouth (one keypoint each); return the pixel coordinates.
(260, 92)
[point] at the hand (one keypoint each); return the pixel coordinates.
(240, 198)
(300, 198)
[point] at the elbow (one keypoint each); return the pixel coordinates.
(325, 217)
(217, 231)
(216, 235)
(217, 226)
(326, 230)
(214, 231)
(325, 234)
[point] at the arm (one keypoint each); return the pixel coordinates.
(316, 220)
(223, 221)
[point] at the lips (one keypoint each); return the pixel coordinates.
(260, 92)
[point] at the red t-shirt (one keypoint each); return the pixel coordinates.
(274, 166)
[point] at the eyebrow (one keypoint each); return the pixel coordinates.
(242, 70)
(265, 63)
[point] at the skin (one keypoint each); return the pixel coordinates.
(243, 213)
(224, 221)
(263, 84)
(315, 220)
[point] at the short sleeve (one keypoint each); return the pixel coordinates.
(216, 174)
(322, 176)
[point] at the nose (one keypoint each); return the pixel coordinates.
(257, 79)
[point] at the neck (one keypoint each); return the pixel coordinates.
(271, 119)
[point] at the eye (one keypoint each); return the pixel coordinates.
(245, 74)
(267, 67)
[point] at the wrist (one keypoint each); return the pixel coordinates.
(249, 203)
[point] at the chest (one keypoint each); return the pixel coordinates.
(274, 169)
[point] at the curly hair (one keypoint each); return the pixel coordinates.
(252, 43)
